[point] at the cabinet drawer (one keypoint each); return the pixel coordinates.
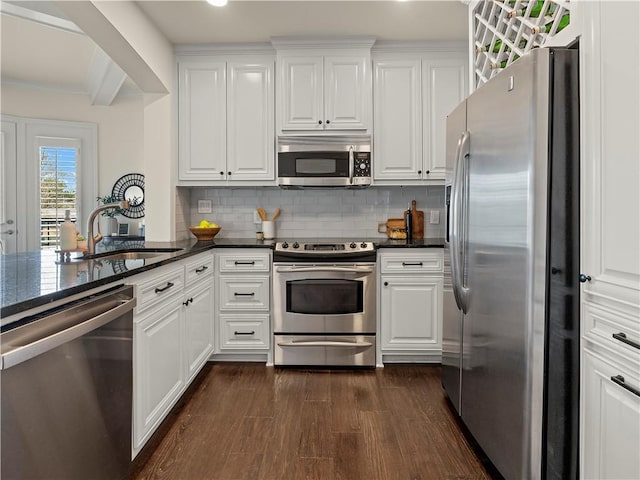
(234, 262)
(160, 285)
(600, 326)
(404, 262)
(244, 293)
(244, 331)
(199, 267)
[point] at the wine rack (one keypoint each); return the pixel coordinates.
(505, 30)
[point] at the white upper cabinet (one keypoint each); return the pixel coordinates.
(322, 88)
(226, 119)
(202, 113)
(444, 86)
(413, 94)
(397, 112)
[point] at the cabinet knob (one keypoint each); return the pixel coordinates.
(319, 122)
(419, 172)
(228, 173)
(428, 172)
(221, 173)
(386, 284)
(584, 278)
(328, 122)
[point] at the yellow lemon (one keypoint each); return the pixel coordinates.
(213, 225)
(204, 224)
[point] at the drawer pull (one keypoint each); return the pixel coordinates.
(411, 264)
(619, 380)
(201, 269)
(240, 294)
(252, 332)
(623, 338)
(245, 263)
(166, 287)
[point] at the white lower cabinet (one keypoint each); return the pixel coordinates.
(159, 374)
(173, 338)
(243, 329)
(610, 420)
(410, 296)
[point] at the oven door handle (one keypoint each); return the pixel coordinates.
(324, 343)
(324, 269)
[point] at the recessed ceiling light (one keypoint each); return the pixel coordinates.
(217, 3)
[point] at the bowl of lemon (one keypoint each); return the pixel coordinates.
(205, 231)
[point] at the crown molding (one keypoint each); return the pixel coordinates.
(224, 49)
(300, 42)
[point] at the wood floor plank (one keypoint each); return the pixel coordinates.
(257, 423)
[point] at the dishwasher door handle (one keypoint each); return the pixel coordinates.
(81, 327)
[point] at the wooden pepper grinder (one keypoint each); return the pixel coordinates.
(417, 221)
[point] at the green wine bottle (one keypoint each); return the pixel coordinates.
(534, 13)
(564, 21)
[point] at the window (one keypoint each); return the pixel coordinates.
(58, 187)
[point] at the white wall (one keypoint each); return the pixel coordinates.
(120, 126)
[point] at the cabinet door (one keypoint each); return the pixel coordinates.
(611, 422)
(250, 120)
(411, 312)
(198, 326)
(397, 138)
(444, 87)
(158, 367)
(202, 120)
(301, 95)
(347, 93)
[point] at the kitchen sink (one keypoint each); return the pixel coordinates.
(130, 254)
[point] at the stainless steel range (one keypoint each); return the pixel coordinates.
(324, 296)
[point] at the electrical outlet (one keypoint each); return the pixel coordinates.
(434, 217)
(204, 206)
(256, 217)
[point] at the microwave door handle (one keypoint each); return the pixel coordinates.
(351, 165)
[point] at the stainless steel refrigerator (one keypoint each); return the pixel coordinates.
(510, 361)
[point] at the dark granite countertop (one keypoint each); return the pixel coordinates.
(32, 279)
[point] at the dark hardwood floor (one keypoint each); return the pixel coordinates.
(246, 421)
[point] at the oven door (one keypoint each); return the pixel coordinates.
(324, 298)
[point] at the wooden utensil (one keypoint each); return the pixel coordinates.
(417, 221)
(261, 213)
(276, 214)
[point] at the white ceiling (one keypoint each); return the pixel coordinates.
(188, 22)
(37, 54)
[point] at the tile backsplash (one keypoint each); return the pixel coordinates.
(309, 213)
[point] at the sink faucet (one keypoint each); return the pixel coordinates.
(92, 239)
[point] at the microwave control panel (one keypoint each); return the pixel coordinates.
(362, 164)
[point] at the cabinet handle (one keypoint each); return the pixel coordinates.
(319, 122)
(386, 284)
(411, 264)
(245, 263)
(239, 294)
(623, 338)
(201, 269)
(186, 302)
(166, 287)
(619, 380)
(252, 332)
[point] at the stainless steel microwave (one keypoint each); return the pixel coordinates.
(335, 161)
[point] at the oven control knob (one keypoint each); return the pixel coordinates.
(295, 245)
(352, 244)
(362, 166)
(285, 245)
(363, 245)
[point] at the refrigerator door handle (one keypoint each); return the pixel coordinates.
(458, 221)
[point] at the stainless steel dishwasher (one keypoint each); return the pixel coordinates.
(66, 390)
